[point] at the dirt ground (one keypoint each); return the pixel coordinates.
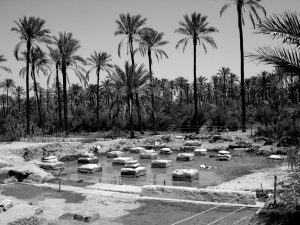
(113, 206)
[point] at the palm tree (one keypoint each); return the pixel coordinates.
(68, 46)
(285, 26)
(241, 5)
(201, 82)
(196, 28)
(127, 82)
(131, 27)
(180, 82)
(19, 92)
(150, 42)
(224, 72)
(7, 84)
(5, 68)
(31, 31)
(55, 59)
(232, 80)
(99, 61)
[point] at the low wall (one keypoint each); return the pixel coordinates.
(196, 194)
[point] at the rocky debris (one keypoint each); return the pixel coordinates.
(240, 145)
(32, 220)
(136, 150)
(114, 154)
(185, 175)
(203, 167)
(192, 143)
(276, 157)
(185, 157)
(148, 154)
(10, 180)
(161, 163)
(191, 137)
(121, 161)
(200, 152)
(87, 216)
(165, 151)
(138, 171)
(26, 171)
(5, 205)
(90, 168)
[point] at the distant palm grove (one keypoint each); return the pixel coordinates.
(129, 97)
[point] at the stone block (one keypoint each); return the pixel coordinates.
(6, 204)
(114, 154)
(165, 151)
(185, 175)
(90, 168)
(161, 163)
(51, 166)
(136, 150)
(121, 161)
(200, 152)
(139, 171)
(83, 160)
(185, 157)
(148, 154)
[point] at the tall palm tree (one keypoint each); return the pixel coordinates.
(131, 27)
(224, 72)
(99, 61)
(150, 42)
(128, 82)
(32, 31)
(253, 6)
(196, 28)
(5, 68)
(68, 46)
(7, 84)
(55, 59)
(19, 92)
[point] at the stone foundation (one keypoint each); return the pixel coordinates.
(195, 194)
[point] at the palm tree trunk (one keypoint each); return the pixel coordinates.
(152, 90)
(58, 97)
(97, 106)
(195, 85)
(224, 87)
(7, 100)
(65, 96)
(139, 113)
(19, 101)
(130, 100)
(37, 97)
(27, 90)
(240, 26)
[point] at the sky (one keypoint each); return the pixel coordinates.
(93, 23)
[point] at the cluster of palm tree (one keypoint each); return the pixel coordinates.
(135, 87)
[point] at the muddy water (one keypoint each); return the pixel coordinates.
(225, 170)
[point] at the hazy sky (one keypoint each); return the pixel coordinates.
(92, 22)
